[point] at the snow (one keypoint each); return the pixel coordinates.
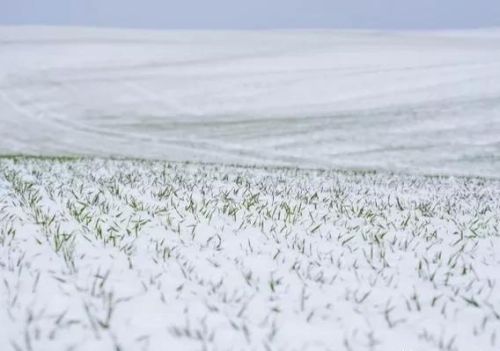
(237, 252)
(136, 255)
(404, 101)
(3, 188)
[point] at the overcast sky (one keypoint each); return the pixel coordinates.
(250, 14)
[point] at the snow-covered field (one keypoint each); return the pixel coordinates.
(103, 254)
(417, 101)
(140, 255)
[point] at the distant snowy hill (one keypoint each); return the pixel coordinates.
(416, 101)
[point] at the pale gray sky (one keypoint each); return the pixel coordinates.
(249, 14)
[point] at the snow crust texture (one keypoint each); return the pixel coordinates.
(421, 102)
(126, 255)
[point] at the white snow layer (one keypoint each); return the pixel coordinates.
(415, 101)
(122, 255)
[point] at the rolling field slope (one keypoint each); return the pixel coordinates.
(426, 102)
(237, 252)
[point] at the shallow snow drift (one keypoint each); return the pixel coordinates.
(113, 255)
(402, 101)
